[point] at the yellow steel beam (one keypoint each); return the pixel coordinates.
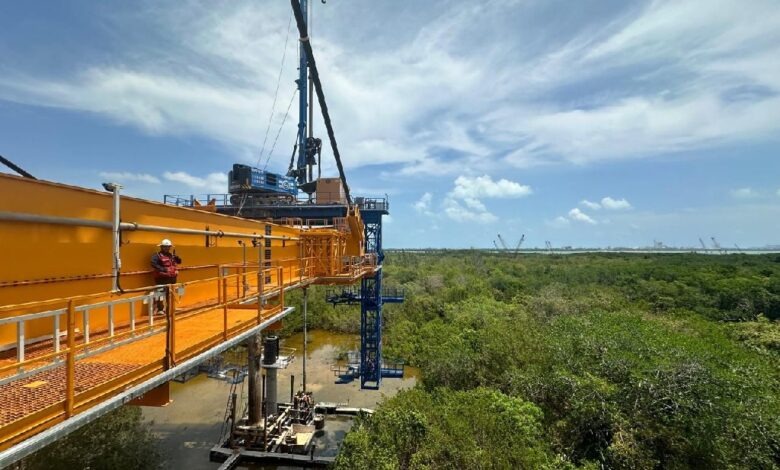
(57, 248)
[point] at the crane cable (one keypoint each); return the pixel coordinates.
(271, 115)
(284, 119)
(276, 94)
(270, 152)
(304, 39)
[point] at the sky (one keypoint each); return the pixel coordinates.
(589, 124)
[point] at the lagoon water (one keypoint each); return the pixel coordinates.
(191, 424)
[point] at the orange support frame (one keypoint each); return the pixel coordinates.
(113, 339)
(158, 397)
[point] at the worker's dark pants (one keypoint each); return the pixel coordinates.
(160, 305)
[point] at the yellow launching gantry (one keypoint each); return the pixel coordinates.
(78, 331)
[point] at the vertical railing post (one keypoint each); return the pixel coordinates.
(85, 334)
(219, 284)
(150, 307)
(261, 289)
(300, 259)
(171, 337)
(224, 308)
(244, 285)
(281, 288)
(57, 333)
(220, 292)
(132, 319)
(70, 366)
(20, 342)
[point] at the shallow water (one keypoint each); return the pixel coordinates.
(191, 424)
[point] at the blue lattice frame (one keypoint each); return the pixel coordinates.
(371, 307)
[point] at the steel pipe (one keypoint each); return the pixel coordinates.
(116, 264)
(51, 219)
(130, 226)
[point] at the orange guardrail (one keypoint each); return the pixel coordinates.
(101, 326)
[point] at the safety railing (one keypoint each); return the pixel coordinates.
(101, 326)
(372, 203)
(194, 200)
(294, 270)
(42, 335)
(290, 221)
(94, 324)
(340, 224)
(90, 325)
(352, 265)
(353, 295)
(318, 223)
(333, 197)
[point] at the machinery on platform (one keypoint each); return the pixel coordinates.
(253, 186)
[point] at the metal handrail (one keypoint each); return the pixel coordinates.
(55, 314)
(148, 298)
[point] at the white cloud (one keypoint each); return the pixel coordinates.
(127, 176)
(778, 192)
(744, 193)
(423, 205)
(484, 187)
(660, 77)
(558, 222)
(464, 203)
(455, 211)
(475, 204)
(157, 103)
(675, 89)
(579, 216)
(615, 204)
(213, 182)
(590, 205)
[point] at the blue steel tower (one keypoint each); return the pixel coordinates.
(371, 301)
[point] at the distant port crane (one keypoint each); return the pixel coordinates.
(503, 243)
(520, 243)
(717, 246)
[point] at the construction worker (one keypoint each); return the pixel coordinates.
(165, 264)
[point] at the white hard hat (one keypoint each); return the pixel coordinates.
(165, 242)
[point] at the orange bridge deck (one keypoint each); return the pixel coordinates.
(49, 381)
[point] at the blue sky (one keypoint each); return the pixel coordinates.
(603, 123)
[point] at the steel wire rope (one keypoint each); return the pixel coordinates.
(273, 146)
(273, 109)
(284, 120)
(276, 93)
